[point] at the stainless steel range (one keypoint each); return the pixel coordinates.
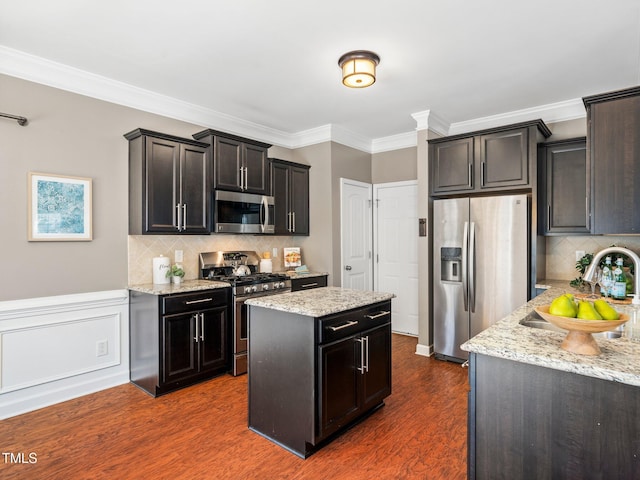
(240, 269)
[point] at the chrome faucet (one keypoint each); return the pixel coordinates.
(588, 274)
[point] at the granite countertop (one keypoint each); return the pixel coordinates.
(320, 301)
(184, 287)
(619, 361)
(297, 275)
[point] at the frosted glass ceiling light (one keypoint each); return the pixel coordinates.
(359, 68)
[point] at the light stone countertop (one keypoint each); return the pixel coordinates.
(320, 301)
(507, 339)
(296, 275)
(184, 287)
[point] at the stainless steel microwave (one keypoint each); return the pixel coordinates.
(236, 212)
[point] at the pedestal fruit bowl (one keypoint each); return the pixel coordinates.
(579, 339)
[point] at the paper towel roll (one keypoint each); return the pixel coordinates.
(266, 266)
(161, 266)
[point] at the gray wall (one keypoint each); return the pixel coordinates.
(394, 166)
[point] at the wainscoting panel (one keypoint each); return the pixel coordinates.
(56, 348)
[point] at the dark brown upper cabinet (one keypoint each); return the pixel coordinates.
(239, 164)
(169, 184)
(290, 189)
(613, 150)
(564, 190)
(501, 158)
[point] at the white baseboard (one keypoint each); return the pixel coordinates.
(424, 350)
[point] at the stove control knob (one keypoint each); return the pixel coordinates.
(247, 289)
(254, 288)
(265, 286)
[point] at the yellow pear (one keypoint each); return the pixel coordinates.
(563, 307)
(605, 310)
(587, 312)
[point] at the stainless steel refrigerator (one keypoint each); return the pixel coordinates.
(481, 265)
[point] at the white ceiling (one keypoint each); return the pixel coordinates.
(269, 68)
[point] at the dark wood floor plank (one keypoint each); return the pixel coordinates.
(201, 432)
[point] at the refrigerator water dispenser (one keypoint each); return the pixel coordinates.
(451, 264)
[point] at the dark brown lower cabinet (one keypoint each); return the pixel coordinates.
(178, 340)
(531, 422)
(311, 378)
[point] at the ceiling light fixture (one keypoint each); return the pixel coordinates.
(359, 68)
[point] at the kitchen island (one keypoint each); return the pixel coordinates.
(539, 412)
(320, 360)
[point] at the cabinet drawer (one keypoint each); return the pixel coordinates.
(344, 324)
(194, 301)
(308, 283)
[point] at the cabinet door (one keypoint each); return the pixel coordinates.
(227, 161)
(179, 359)
(338, 382)
(567, 207)
(299, 195)
(213, 339)
(162, 179)
(194, 189)
(452, 164)
(257, 165)
(504, 159)
(376, 383)
(280, 192)
(615, 162)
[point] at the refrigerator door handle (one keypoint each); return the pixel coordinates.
(465, 249)
(472, 268)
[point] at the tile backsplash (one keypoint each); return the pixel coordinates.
(142, 249)
(561, 252)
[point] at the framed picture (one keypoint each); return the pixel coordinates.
(292, 257)
(59, 208)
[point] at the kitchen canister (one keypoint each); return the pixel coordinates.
(161, 266)
(266, 265)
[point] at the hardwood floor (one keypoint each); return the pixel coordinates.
(201, 433)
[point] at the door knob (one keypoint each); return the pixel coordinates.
(348, 267)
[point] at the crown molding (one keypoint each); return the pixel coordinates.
(428, 120)
(550, 113)
(394, 142)
(40, 70)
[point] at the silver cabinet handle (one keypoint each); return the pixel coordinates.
(470, 175)
(344, 325)
(202, 300)
(184, 216)
(241, 178)
(202, 327)
(378, 315)
(246, 178)
(465, 255)
(586, 210)
(294, 222)
(365, 367)
(196, 338)
(482, 174)
(472, 268)
(361, 367)
(178, 217)
(289, 222)
(309, 285)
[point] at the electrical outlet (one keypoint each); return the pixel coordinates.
(179, 256)
(579, 255)
(102, 348)
(274, 254)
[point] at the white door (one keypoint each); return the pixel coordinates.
(355, 228)
(396, 251)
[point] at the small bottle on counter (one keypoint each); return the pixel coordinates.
(619, 288)
(607, 278)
